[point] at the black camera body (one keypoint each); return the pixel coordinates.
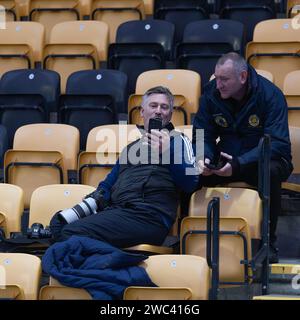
(37, 231)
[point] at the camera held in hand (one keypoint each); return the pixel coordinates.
(37, 231)
(91, 204)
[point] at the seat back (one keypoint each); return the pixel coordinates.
(104, 144)
(21, 45)
(174, 275)
(22, 274)
(105, 81)
(181, 82)
(49, 13)
(248, 12)
(11, 10)
(148, 31)
(292, 8)
(240, 213)
(200, 50)
(275, 48)
(234, 202)
(116, 12)
(47, 200)
(74, 46)
(292, 94)
(11, 208)
(42, 154)
(180, 13)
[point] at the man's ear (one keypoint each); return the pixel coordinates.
(142, 112)
(244, 76)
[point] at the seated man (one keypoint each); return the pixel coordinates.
(239, 107)
(143, 187)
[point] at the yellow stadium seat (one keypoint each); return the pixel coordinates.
(20, 276)
(42, 154)
(21, 45)
(74, 46)
(104, 144)
(184, 83)
(115, 12)
(11, 208)
(275, 48)
(240, 214)
(291, 91)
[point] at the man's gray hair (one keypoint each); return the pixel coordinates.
(159, 90)
(239, 63)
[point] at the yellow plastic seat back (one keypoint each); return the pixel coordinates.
(274, 48)
(177, 277)
(291, 91)
(51, 12)
(184, 83)
(116, 12)
(21, 45)
(20, 276)
(74, 46)
(11, 208)
(104, 144)
(292, 8)
(47, 200)
(231, 248)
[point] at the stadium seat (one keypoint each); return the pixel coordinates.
(47, 200)
(93, 98)
(49, 13)
(27, 96)
(178, 277)
(249, 12)
(104, 144)
(292, 8)
(184, 84)
(205, 41)
(74, 46)
(11, 209)
(293, 181)
(180, 12)
(240, 221)
(42, 154)
(141, 46)
(115, 12)
(21, 45)
(291, 91)
(11, 9)
(149, 7)
(275, 48)
(20, 276)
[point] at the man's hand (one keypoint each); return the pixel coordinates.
(226, 171)
(203, 169)
(159, 141)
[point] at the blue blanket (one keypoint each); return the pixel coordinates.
(103, 270)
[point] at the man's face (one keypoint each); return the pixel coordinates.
(156, 106)
(229, 83)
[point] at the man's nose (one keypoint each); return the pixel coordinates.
(158, 110)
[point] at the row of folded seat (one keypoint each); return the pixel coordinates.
(115, 12)
(81, 45)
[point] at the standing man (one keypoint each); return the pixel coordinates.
(139, 198)
(239, 107)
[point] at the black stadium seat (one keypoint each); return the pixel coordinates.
(150, 45)
(205, 41)
(27, 96)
